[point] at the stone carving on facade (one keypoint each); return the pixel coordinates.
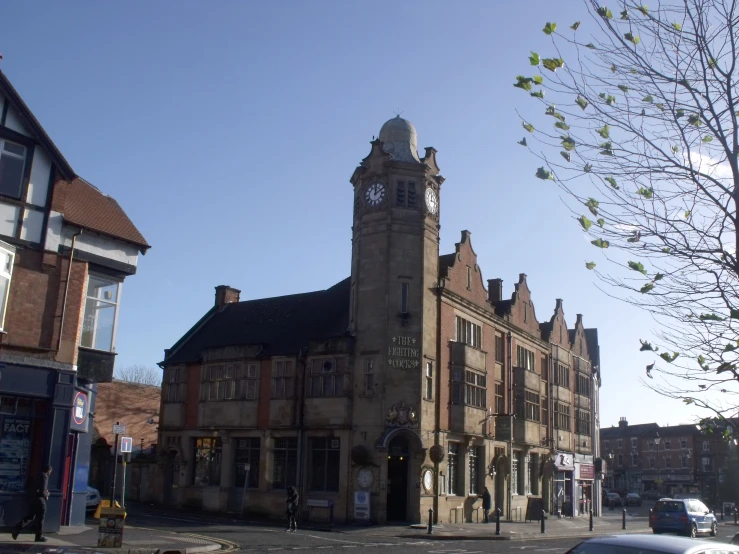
(401, 415)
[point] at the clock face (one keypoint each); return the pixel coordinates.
(365, 478)
(375, 194)
(428, 480)
(432, 202)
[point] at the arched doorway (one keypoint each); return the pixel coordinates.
(171, 477)
(398, 463)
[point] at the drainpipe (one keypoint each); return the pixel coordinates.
(302, 358)
(510, 413)
(66, 290)
(437, 403)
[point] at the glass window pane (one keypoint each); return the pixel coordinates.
(8, 219)
(13, 148)
(103, 289)
(11, 175)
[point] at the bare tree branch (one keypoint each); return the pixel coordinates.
(140, 374)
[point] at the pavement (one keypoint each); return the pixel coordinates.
(136, 540)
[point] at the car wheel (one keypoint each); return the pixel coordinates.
(714, 529)
(693, 531)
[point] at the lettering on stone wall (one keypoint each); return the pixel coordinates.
(404, 354)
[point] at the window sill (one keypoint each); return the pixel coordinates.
(428, 399)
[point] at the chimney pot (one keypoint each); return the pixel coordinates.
(495, 290)
(226, 295)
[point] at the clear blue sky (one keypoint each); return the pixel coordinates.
(228, 132)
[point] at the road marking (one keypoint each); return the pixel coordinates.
(335, 540)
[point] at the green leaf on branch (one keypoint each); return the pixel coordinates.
(677, 26)
(726, 366)
(611, 181)
(604, 131)
(643, 9)
(538, 79)
(523, 82)
(730, 347)
(647, 193)
(665, 250)
(605, 12)
(562, 125)
(676, 149)
(542, 173)
(637, 266)
(710, 317)
(607, 149)
(734, 314)
(566, 155)
(658, 277)
(568, 143)
(679, 113)
(646, 345)
(549, 28)
(711, 63)
(553, 64)
(635, 238)
(534, 58)
(688, 401)
(623, 88)
(600, 243)
(632, 38)
(707, 139)
(702, 361)
(608, 98)
(554, 113)
(590, 45)
(575, 25)
(592, 205)
(582, 102)
(625, 15)
(528, 126)
(522, 142)
(538, 94)
(585, 222)
(687, 214)
(648, 98)
(646, 288)
(613, 68)
(694, 120)
(660, 106)
(590, 265)
(587, 168)
(669, 358)
(601, 222)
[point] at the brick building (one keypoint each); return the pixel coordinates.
(391, 392)
(65, 249)
(677, 459)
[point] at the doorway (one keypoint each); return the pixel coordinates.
(397, 479)
(171, 477)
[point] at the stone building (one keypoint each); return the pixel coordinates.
(65, 250)
(391, 392)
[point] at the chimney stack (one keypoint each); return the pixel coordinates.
(495, 290)
(226, 295)
(623, 423)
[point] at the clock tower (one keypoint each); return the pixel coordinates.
(394, 315)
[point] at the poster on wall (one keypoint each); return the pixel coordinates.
(80, 412)
(15, 453)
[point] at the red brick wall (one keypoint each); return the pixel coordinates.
(456, 277)
(192, 400)
(265, 392)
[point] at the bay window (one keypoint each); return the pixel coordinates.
(12, 168)
(7, 257)
(101, 313)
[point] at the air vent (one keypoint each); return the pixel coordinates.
(328, 366)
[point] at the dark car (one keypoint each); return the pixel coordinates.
(649, 544)
(651, 495)
(633, 499)
(689, 517)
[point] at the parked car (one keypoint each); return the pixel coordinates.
(613, 497)
(618, 544)
(651, 495)
(93, 499)
(689, 517)
(633, 499)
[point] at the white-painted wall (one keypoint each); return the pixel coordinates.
(13, 121)
(100, 245)
(38, 187)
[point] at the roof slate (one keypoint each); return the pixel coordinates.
(89, 208)
(628, 431)
(282, 325)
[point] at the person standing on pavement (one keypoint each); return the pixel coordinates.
(486, 502)
(38, 507)
(292, 509)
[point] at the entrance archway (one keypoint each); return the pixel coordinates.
(171, 477)
(398, 464)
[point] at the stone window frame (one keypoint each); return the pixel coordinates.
(368, 376)
(282, 383)
(334, 373)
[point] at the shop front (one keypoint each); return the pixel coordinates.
(563, 489)
(584, 482)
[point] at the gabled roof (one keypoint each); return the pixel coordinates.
(282, 325)
(628, 430)
(61, 163)
(87, 207)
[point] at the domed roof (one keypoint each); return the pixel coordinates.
(400, 140)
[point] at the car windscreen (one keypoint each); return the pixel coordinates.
(595, 548)
(669, 507)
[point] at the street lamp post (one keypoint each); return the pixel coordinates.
(657, 440)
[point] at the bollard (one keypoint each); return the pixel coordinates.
(543, 525)
(736, 511)
(497, 521)
(623, 519)
(650, 518)
(591, 519)
(431, 522)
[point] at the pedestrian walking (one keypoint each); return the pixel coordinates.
(38, 507)
(292, 509)
(486, 503)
